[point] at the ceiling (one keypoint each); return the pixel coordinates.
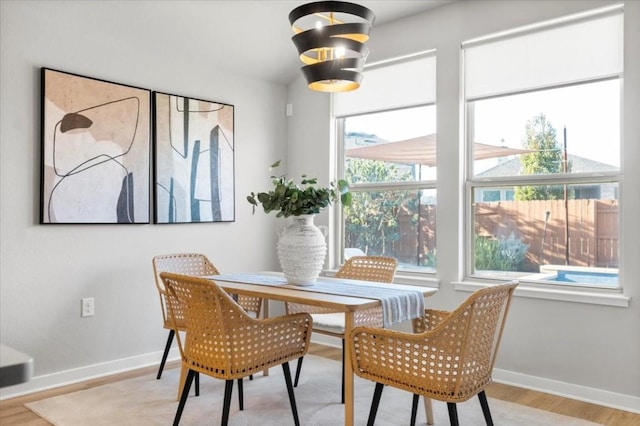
(251, 38)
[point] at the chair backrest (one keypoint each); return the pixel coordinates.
(471, 335)
(369, 268)
(195, 264)
(210, 316)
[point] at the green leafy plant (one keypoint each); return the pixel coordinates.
(499, 254)
(291, 199)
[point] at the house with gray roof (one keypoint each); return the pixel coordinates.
(577, 164)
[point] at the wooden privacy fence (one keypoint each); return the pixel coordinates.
(413, 246)
(592, 231)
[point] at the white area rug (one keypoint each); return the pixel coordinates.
(147, 401)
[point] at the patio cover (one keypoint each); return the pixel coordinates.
(422, 150)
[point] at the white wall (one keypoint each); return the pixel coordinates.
(586, 351)
(46, 269)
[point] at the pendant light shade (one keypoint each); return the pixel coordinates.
(330, 37)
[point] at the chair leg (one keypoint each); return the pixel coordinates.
(298, 368)
(197, 384)
(342, 392)
(453, 413)
(377, 393)
(183, 397)
(228, 389)
(167, 346)
(414, 408)
(240, 397)
(292, 398)
(485, 408)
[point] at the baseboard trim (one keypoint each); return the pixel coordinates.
(601, 397)
(566, 390)
(69, 377)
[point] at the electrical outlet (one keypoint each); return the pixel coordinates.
(87, 307)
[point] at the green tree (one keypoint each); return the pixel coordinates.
(371, 220)
(546, 158)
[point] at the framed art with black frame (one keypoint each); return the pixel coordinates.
(95, 151)
(194, 160)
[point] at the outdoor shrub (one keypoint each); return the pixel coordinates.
(499, 254)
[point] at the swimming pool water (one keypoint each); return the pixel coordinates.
(600, 278)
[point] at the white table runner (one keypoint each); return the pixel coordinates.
(398, 305)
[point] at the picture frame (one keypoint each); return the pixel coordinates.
(96, 138)
(194, 152)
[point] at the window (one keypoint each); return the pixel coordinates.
(543, 118)
(388, 152)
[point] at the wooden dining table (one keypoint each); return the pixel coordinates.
(272, 286)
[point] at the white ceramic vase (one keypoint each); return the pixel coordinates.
(302, 249)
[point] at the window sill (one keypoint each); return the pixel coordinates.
(608, 298)
(419, 280)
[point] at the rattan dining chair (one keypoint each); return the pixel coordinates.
(328, 322)
(449, 357)
(195, 264)
(224, 342)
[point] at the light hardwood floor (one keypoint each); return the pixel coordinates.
(13, 412)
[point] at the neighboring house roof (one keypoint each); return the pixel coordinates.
(578, 164)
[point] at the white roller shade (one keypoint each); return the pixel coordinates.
(396, 85)
(585, 49)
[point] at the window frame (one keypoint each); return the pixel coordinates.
(405, 96)
(531, 288)
(405, 275)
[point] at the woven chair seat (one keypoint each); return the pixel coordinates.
(332, 323)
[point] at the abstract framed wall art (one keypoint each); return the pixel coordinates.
(95, 150)
(194, 160)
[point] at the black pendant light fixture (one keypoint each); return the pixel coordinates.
(330, 37)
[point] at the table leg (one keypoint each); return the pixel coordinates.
(428, 409)
(183, 378)
(265, 315)
(348, 371)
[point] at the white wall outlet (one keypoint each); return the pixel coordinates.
(87, 307)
